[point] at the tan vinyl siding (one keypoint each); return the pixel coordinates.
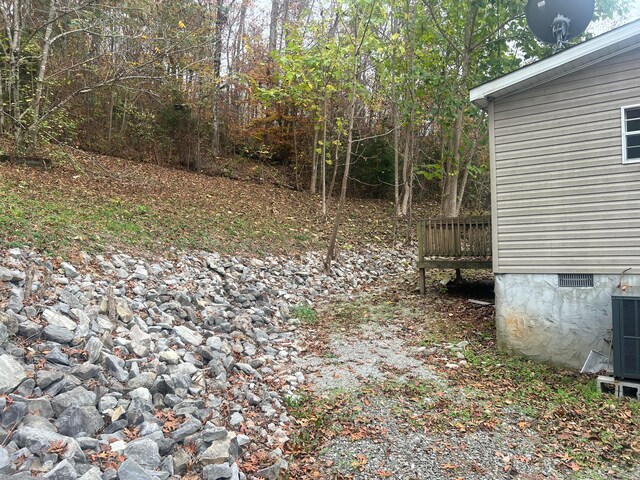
(563, 200)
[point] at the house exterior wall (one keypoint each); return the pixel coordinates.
(563, 200)
(547, 323)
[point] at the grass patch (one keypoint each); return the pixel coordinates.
(58, 220)
(306, 314)
(349, 315)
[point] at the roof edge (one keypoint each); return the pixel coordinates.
(543, 70)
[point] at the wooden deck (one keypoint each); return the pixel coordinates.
(456, 242)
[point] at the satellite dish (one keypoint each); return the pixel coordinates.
(556, 21)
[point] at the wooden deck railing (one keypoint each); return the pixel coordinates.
(464, 242)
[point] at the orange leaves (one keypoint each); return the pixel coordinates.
(170, 419)
(131, 433)
(106, 458)
(57, 446)
(360, 462)
(383, 473)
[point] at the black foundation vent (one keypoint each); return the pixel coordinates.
(575, 280)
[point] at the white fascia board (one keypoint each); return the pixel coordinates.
(572, 59)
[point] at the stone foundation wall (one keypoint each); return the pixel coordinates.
(561, 325)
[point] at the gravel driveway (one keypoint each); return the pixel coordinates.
(378, 395)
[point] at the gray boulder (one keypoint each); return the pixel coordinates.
(75, 420)
(130, 470)
(78, 397)
(144, 452)
(57, 334)
(63, 471)
(11, 374)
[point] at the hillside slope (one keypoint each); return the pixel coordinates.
(94, 202)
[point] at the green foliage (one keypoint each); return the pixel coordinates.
(372, 168)
(305, 314)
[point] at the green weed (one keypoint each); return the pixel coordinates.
(305, 314)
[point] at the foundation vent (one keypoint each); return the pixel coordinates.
(575, 280)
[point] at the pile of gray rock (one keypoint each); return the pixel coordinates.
(117, 367)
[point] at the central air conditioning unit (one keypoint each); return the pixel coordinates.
(626, 335)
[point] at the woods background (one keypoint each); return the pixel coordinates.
(366, 97)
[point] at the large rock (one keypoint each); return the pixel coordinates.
(130, 470)
(93, 474)
(219, 451)
(58, 334)
(115, 366)
(216, 472)
(36, 440)
(11, 374)
(94, 348)
(63, 471)
(144, 452)
(75, 420)
(5, 275)
(141, 398)
(188, 335)
(58, 319)
(272, 472)
(69, 270)
(78, 397)
(85, 371)
(140, 341)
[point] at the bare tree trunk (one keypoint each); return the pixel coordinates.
(334, 174)
(314, 160)
(407, 167)
(273, 25)
(37, 99)
(285, 19)
(396, 135)
(411, 177)
(2, 101)
(13, 25)
(238, 44)
(217, 56)
(452, 170)
(324, 156)
(407, 170)
(112, 101)
(331, 251)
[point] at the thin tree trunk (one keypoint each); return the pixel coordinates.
(273, 25)
(334, 174)
(324, 156)
(314, 160)
(411, 177)
(238, 44)
(110, 121)
(14, 62)
(407, 170)
(451, 200)
(217, 56)
(407, 167)
(2, 100)
(295, 150)
(331, 251)
(37, 99)
(396, 136)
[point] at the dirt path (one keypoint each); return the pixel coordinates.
(389, 397)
